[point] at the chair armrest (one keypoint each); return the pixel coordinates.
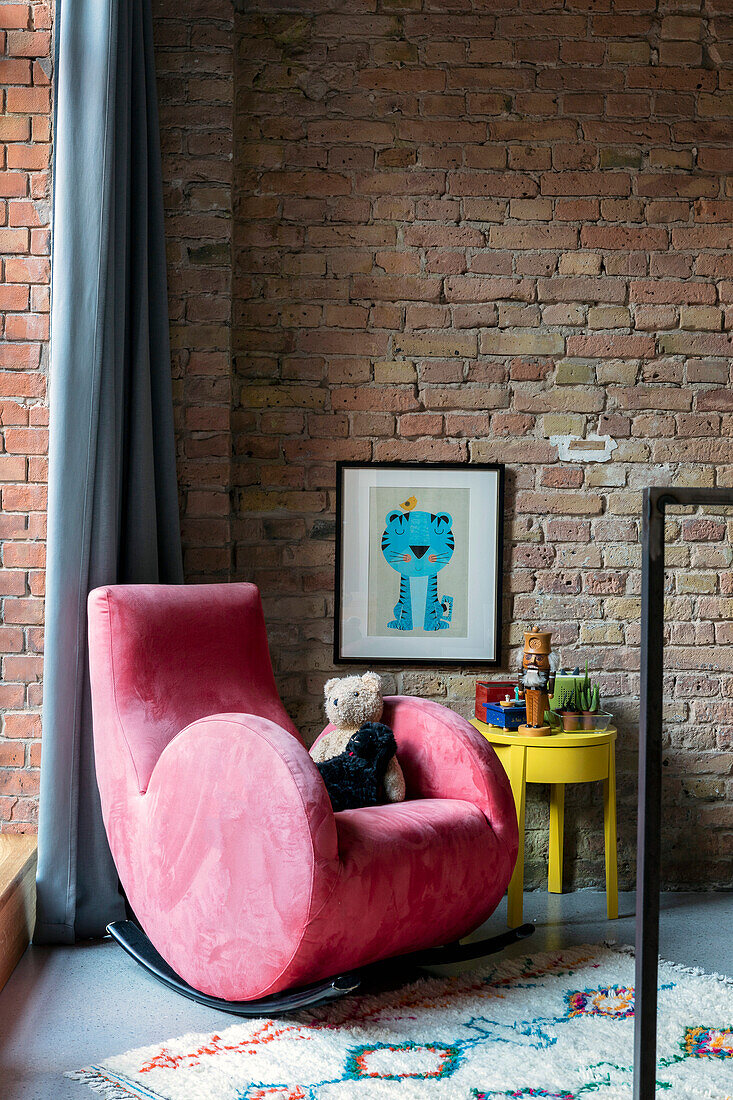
(444, 756)
(241, 845)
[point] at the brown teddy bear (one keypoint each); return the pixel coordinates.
(351, 702)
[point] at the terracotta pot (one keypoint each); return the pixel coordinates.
(570, 722)
(588, 720)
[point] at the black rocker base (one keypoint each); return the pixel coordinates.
(133, 940)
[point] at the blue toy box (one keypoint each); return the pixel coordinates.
(508, 718)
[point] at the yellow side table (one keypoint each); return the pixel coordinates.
(558, 759)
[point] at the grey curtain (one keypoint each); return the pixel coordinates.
(113, 510)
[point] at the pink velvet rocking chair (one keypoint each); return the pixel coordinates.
(248, 892)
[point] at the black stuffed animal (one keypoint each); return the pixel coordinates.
(354, 778)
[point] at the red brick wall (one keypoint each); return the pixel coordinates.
(431, 234)
(194, 61)
(462, 230)
(25, 124)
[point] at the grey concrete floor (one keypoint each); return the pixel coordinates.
(66, 1007)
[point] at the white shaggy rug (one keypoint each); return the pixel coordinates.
(557, 1026)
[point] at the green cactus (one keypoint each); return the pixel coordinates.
(589, 698)
(568, 701)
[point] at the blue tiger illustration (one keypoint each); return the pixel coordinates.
(419, 544)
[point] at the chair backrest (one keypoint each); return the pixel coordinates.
(162, 656)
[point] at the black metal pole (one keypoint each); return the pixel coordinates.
(650, 797)
(650, 773)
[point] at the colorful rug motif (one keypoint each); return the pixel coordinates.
(557, 1026)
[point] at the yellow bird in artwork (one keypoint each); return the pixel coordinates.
(409, 504)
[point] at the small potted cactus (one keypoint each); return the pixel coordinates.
(567, 711)
(589, 702)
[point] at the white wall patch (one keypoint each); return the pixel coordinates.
(573, 448)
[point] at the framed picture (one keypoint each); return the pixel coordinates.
(418, 563)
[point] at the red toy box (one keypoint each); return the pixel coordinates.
(492, 691)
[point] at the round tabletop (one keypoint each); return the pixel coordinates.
(581, 739)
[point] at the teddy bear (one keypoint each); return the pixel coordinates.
(350, 702)
(356, 776)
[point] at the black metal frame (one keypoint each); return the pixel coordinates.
(483, 662)
(648, 880)
(133, 940)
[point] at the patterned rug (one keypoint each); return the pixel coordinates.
(557, 1026)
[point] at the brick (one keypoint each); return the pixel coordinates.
(706, 530)
(27, 270)
(583, 399)
(652, 397)
(15, 129)
(702, 236)
(580, 263)
(396, 288)
(395, 372)
(414, 424)
(26, 326)
(510, 451)
(19, 357)
(465, 397)
(533, 236)
(603, 633)
(14, 240)
(663, 290)
(580, 288)
(304, 183)
(618, 237)
(31, 157)
(573, 372)
(13, 298)
(472, 425)
(570, 504)
(714, 400)
(674, 185)
(15, 16)
(436, 344)
(28, 43)
(530, 209)
(653, 318)
(12, 468)
(562, 477)
(21, 725)
(13, 71)
(521, 343)
(424, 450)
(584, 183)
(708, 318)
(473, 289)
(688, 343)
(682, 27)
(555, 424)
(609, 317)
(610, 346)
(26, 441)
(446, 370)
(511, 185)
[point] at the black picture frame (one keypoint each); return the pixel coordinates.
(477, 662)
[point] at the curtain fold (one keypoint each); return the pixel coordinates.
(113, 508)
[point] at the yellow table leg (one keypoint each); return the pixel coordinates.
(609, 828)
(517, 778)
(557, 836)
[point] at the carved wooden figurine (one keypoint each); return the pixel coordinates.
(537, 677)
